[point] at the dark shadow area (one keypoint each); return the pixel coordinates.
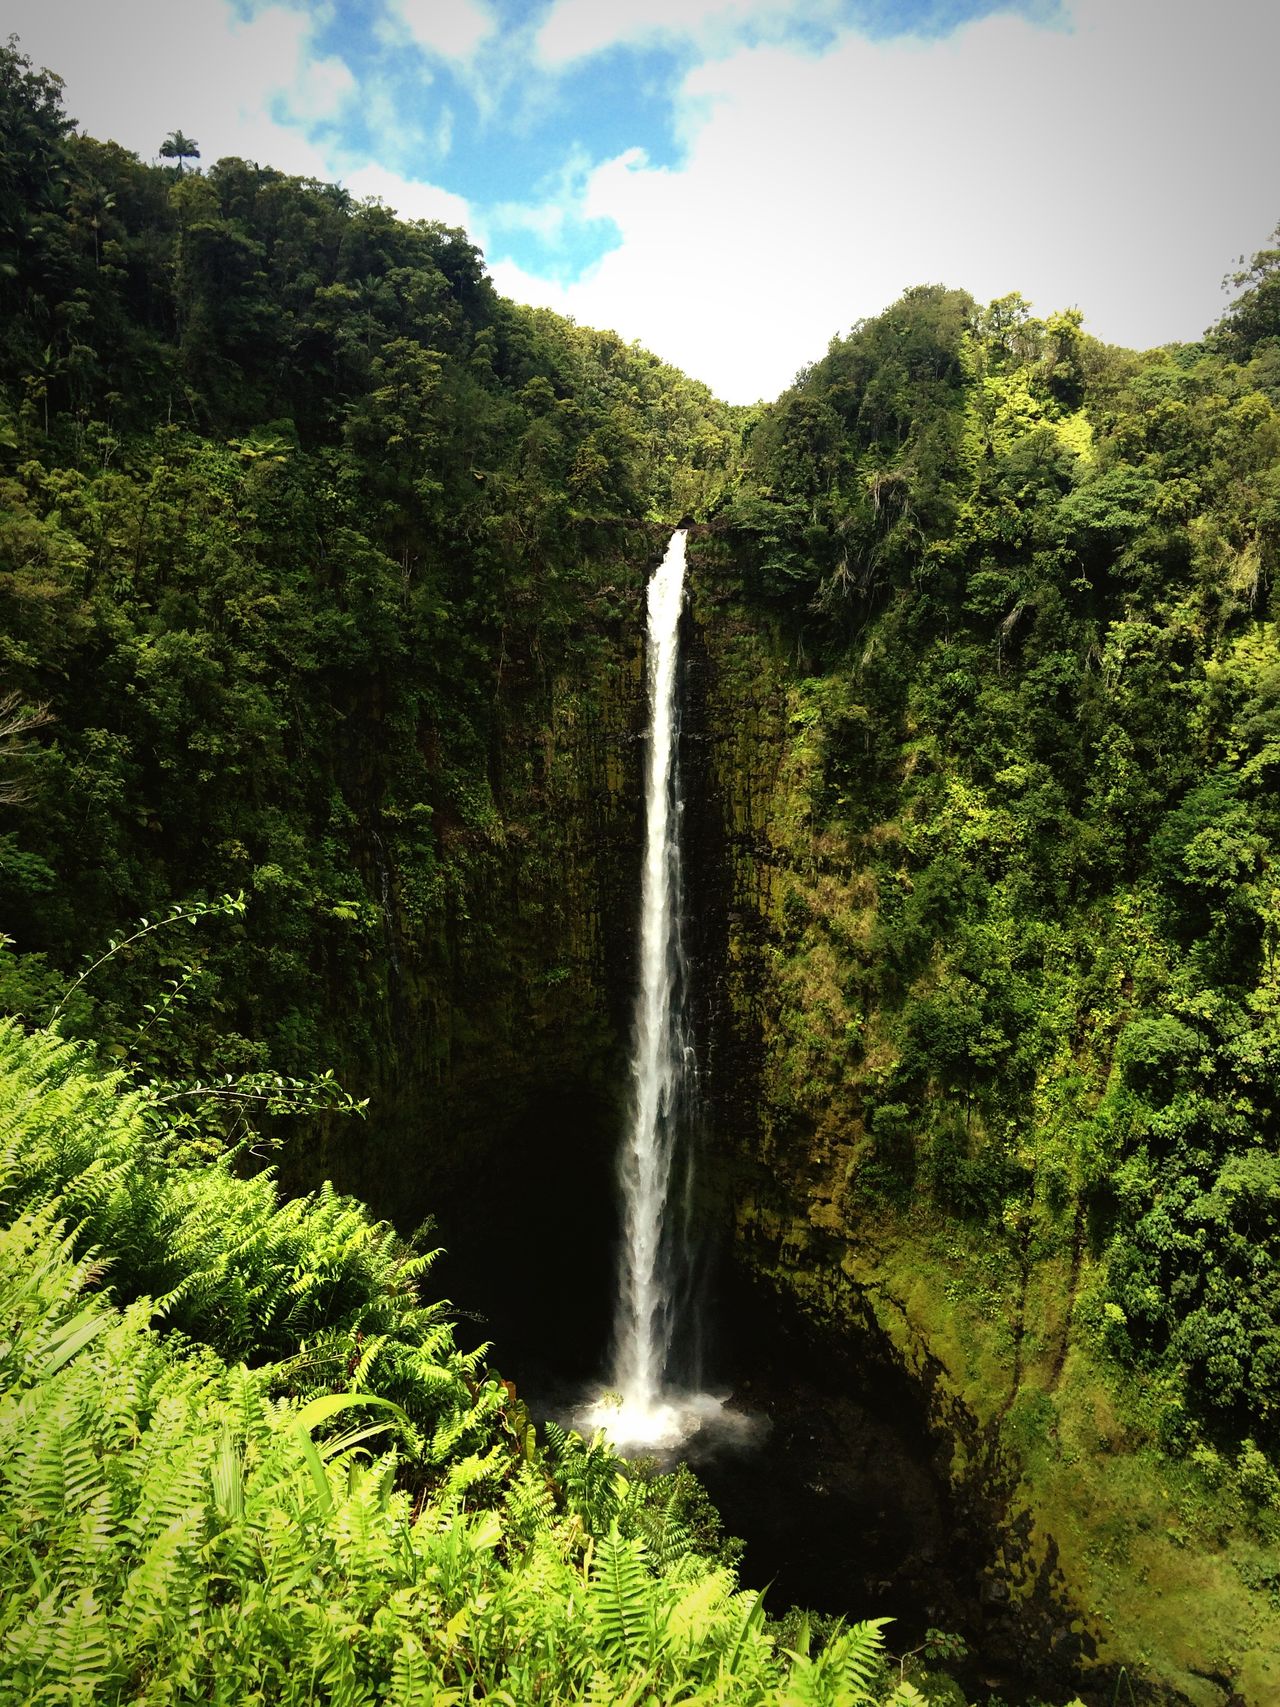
(529, 1239)
(843, 1506)
(846, 1505)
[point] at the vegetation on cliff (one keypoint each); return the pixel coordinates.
(1016, 856)
(303, 528)
(1035, 583)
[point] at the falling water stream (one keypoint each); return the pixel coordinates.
(644, 1408)
(661, 1059)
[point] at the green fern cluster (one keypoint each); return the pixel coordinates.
(177, 1526)
(312, 1285)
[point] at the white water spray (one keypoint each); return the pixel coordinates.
(643, 1410)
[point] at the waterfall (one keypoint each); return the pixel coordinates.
(662, 1061)
(646, 1408)
(661, 1052)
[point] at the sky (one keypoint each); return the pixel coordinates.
(734, 182)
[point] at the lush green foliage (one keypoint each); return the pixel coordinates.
(311, 1284)
(173, 1531)
(1032, 583)
(302, 529)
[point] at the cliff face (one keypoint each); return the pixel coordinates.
(501, 1017)
(1092, 1546)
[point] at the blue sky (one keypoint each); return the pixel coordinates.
(732, 182)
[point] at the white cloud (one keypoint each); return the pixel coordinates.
(1120, 166)
(515, 282)
(138, 69)
(320, 90)
(575, 29)
(453, 29)
(545, 220)
(409, 197)
(551, 220)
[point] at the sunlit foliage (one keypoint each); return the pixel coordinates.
(1032, 583)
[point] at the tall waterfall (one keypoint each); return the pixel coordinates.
(661, 1054)
(661, 1059)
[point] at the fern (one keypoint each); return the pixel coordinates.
(55, 1471)
(853, 1656)
(157, 1587)
(172, 1471)
(349, 1520)
(842, 1673)
(620, 1598)
(412, 1676)
(90, 1542)
(747, 1634)
(590, 1477)
(224, 1260)
(530, 1504)
(76, 1656)
(905, 1694)
(665, 1534)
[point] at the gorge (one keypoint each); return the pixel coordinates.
(323, 583)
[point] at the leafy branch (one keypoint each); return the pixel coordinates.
(182, 912)
(17, 721)
(275, 1093)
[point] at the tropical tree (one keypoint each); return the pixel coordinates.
(1253, 318)
(177, 146)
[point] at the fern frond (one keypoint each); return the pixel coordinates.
(746, 1635)
(61, 1471)
(852, 1656)
(173, 1469)
(695, 1612)
(905, 1694)
(413, 1677)
(78, 1657)
(620, 1597)
(157, 1587)
(530, 1503)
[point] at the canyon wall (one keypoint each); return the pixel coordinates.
(1094, 1548)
